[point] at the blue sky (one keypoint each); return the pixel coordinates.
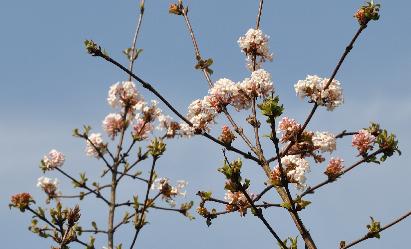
(50, 86)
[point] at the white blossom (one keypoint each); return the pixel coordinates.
(53, 159)
(325, 141)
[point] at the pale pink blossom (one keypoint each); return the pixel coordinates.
(289, 128)
(325, 141)
(313, 87)
(237, 200)
(148, 112)
(48, 185)
(168, 191)
(53, 159)
(113, 124)
(221, 94)
(95, 145)
(201, 115)
(123, 94)
(363, 141)
(295, 168)
(141, 129)
(255, 44)
(258, 85)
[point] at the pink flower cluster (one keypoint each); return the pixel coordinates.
(113, 124)
(313, 87)
(53, 159)
(48, 185)
(290, 129)
(123, 94)
(255, 44)
(363, 141)
(334, 168)
(95, 145)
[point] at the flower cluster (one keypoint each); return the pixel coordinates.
(227, 136)
(113, 124)
(52, 160)
(21, 201)
(167, 191)
(289, 128)
(334, 168)
(48, 185)
(201, 115)
(95, 145)
(325, 141)
(202, 112)
(237, 201)
(255, 44)
(123, 94)
(295, 169)
(319, 91)
(363, 141)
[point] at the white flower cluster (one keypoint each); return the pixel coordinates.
(201, 115)
(296, 169)
(255, 43)
(313, 88)
(94, 145)
(325, 141)
(122, 94)
(168, 191)
(53, 160)
(222, 93)
(43, 182)
(113, 124)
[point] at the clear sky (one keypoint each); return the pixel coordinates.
(49, 85)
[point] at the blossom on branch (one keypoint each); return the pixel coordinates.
(167, 191)
(290, 129)
(201, 115)
(255, 44)
(321, 91)
(21, 201)
(113, 124)
(334, 168)
(237, 201)
(95, 145)
(221, 94)
(325, 141)
(363, 141)
(123, 94)
(294, 168)
(48, 185)
(52, 160)
(141, 129)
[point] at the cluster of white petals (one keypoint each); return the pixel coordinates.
(53, 160)
(201, 115)
(296, 168)
(313, 88)
(48, 185)
(168, 191)
(141, 129)
(221, 94)
(148, 112)
(259, 84)
(94, 145)
(123, 94)
(43, 182)
(325, 141)
(255, 43)
(112, 124)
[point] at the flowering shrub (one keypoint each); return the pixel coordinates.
(297, 149)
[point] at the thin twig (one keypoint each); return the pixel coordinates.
(83, 185)
(372, 234)
(311, 190)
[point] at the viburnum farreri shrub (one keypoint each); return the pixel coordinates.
(297, 148)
